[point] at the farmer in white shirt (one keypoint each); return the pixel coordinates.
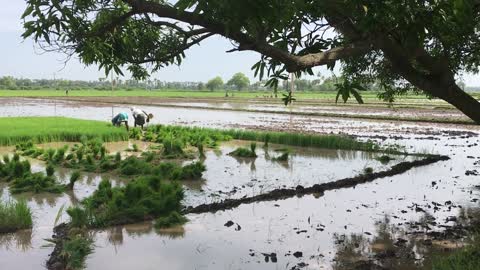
(140, 117)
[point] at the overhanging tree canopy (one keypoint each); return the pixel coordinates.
(404, 45)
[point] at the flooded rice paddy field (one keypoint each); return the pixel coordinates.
(341, 229)
(413, 108)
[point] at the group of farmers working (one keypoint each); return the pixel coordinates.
(140, 117)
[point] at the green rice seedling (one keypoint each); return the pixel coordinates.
(90, 160)
(144, 198)
(17, 130)
(201, 151)
(149, 156)
(15, 216)
(136, 133)
(103, 152)
(266, 140)
(107, 164)
(189, 172)
(59, 155)
(14, 169)
(134, 166)
(37, 183)
(73, 178)
(16, 157)
(6, 159)
(69, 157)
(253, 147)
(243, 152)
(165, 169)
(49, 154)
(384, 159)
(282, 157)
(135, 148)
(78, 217)
(173, 219)
(80, 153)
(75, 250)
(172, 148)
(118, 157)
(466, 258)
(368, 170)
(50, 170)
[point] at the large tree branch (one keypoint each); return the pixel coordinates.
(292, 62)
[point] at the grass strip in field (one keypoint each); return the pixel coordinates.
(51, 129)
(14, 216)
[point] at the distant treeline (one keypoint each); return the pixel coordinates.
(324, 84)
(12, 83)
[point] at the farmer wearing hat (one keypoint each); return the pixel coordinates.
(140, 117)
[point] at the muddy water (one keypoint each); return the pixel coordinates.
(233, 177)
(333, 231)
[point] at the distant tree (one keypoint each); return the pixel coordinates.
(200, 86)
(239, 81)
(8, 82)
(214, 83)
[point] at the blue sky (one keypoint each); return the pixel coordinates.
(20, 58)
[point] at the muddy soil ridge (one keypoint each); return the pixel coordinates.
(279, 194)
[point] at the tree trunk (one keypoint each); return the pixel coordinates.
(457, 97)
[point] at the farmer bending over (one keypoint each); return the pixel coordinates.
(119, 118)
(140, 117)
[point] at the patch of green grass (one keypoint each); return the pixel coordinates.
(52, 129)
(144, 198)
(173, 219)
(15, 216)
(467, 258)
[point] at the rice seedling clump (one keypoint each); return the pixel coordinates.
(15, 216)
(142, 199)
(173, 219)
(21, 179)
(245, 152)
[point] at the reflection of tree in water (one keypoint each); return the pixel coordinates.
(389, 248)
(21, 240)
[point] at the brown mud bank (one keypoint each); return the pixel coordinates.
(279, 194)
(56, 261)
